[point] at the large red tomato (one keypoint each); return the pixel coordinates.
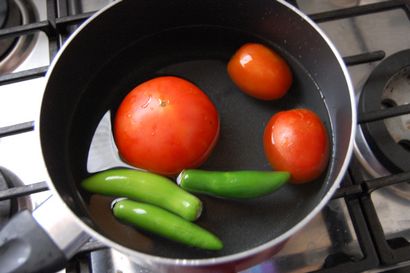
(260, 72)
(166, 124)
(297, 141)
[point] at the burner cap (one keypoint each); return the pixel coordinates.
(388, 86)
(14, 50)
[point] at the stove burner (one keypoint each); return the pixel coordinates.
(383, 146)
(9, 207)
(11, 17)
(13, 51)
(397, 92)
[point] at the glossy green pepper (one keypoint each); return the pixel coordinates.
(145, 187)
(235, 184)
(168, 225)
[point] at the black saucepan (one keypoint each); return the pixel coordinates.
(135, 40)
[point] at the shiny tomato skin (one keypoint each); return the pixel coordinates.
(297, 141)
(260, 72)
(166, 124)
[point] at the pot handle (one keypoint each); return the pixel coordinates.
(40, 242)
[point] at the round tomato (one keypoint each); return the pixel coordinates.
(260, 72)
(297, 141)
(165, 125)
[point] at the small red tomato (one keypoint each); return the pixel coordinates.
(260, 72)
(165, 125)
(297, 141)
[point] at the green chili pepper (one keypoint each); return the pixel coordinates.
(235, 184)
(168, 225)
(145, 187)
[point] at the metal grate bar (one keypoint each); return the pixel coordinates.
(340, 262)
(44, 26)
(347, 191)
(374, 184)
(54, 40)
(23, 190)
(384, 113)
(364, 58)
(387, 254)
(63, 22)
(17, 129)
(25, 29)
(357, 11)
(23, 75)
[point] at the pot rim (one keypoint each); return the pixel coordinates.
(246, 255)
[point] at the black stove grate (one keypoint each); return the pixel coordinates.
(355, 191)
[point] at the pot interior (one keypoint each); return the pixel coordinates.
(76, 100)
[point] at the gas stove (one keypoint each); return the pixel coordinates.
(365, 227)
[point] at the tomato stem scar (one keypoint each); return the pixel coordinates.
(163, 103)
